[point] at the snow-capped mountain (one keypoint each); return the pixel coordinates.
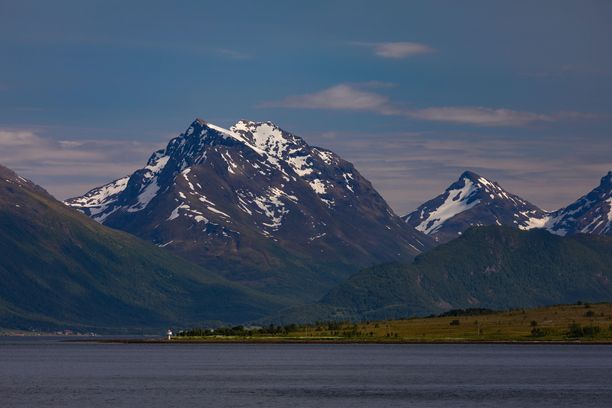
(590, 214)
(473, 200)
(258, 203)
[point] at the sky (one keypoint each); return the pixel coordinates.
(411, 92)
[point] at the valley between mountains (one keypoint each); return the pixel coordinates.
(252, 224)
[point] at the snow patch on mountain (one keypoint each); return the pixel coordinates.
(150, 186)
(283, 147)
(318, 186)
(98, 196)
(185, 210)
(347, 179)
(272, 207)
(219, 212)
(147, 194)
(533, 222)
(325, 155)
(300, 165)
(457, 201)
(96, 201)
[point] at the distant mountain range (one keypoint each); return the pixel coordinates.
(237, 225)
(473, 200)
(260, 205)
(60, 269)
(486, 267)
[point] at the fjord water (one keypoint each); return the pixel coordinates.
(51, 373)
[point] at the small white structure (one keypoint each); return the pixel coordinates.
(169, 333)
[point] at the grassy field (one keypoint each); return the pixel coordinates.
(579, 323)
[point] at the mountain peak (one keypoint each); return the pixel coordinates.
(199, 121)
(261, 201)
(470, 175)
(481, 183)
(490, 188)
(247, 123)
(261, 136)
(473, 200)
(251, 126)
(269, 137)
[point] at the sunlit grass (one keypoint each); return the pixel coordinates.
(590, 322)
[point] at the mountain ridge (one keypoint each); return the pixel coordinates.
(474, 200)
(277, 213)
(470, 201)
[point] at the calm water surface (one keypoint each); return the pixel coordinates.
(40, 372)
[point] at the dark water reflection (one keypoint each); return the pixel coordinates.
(50, 373)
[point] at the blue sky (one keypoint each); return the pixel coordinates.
(412, 92)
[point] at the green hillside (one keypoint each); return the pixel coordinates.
(488, 267)
(60, 269)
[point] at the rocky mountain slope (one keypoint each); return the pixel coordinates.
(59, 269)
(470, 201)
(487, 267)
(260, 204)
(474, 200)
(590, 214)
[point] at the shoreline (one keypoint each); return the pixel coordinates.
(339, 341)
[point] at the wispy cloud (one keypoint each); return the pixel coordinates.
(474, 115)
(70, 167)
(362, 98)
(396, 50)
(343, 96)
(480, 116)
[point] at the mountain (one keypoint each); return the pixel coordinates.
(591, 214)
(474, 200)
(471, 201)
(486, 267)
(60, 269)
(259, 204)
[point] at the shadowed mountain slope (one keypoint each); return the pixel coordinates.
(60, 269)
